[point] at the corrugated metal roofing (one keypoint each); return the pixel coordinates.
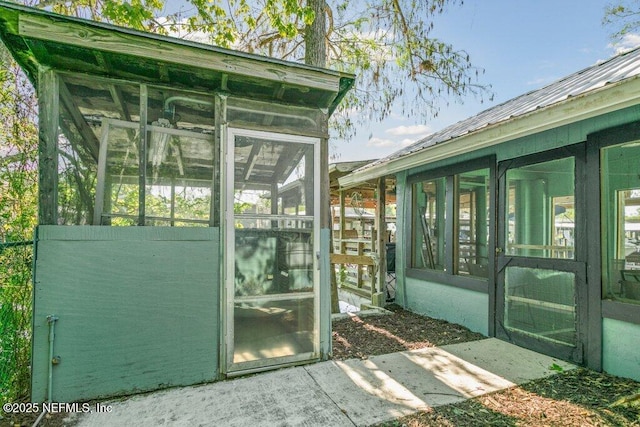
(618, 68)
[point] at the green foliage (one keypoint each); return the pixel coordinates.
(386, 43)
(556, 367)
(18, 210)
(342, 274)
(622, 18)
(15, 323)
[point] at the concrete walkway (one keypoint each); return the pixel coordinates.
(338, 393)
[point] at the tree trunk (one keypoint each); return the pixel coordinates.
(316, 54)
(315, 34)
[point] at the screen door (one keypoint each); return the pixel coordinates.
(271, 248)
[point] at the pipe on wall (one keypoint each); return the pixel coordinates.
(51, 320)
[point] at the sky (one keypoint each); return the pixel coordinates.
(522, 45)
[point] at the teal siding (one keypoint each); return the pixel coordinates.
(138, 309)
(620, 355)
(472, 309)
(456, 305)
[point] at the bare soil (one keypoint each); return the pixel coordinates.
(361, 337)
(579, 397)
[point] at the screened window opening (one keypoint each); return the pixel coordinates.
(451, 224)
(85, 104)
(541, 303)
(429, 222)
(134, 155)
(541, 210)
(621, 222)
(473, 223)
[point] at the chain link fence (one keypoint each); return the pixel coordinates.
(16, 296)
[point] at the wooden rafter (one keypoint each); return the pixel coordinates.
(78, 120)
(251, 161)
(121, 105)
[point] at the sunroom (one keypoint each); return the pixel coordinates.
(522, 221)
(167, 251)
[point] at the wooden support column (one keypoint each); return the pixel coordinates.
(360, 252)
(142, 155)
(49, 113)
(220, 118)
(381, 225)
(342, 248)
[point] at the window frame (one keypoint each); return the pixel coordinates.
(450, 275)
(610, 309)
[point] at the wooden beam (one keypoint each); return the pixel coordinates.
(289, 159)
(80, 123)
(251, 161)
(352, 259)
(121, 105)
(381, 225)
(128, 42)
(142, 155)
(49, 114)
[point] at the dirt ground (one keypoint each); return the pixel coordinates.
(578, 397)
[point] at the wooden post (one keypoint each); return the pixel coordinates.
(142, 156)
(381, 225)
(220, 117)
(360, 252)
(49, 113)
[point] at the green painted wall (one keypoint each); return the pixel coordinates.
(620, 355)
(138, 309)
(456, 305)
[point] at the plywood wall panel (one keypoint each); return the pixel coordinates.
(135, 313)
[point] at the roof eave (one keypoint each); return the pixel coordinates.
(29, 23)
(609, 98)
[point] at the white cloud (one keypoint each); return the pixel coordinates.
(406, 142)
(409, 130)
(628, 42)
(381, 143)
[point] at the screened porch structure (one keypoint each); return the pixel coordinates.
(168, 251)
(363, 249)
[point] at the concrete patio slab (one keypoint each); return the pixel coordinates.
(339, 393)
(509, 361)
(288, 397)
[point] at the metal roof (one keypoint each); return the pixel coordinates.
(616, 69)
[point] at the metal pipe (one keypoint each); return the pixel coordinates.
(51, 320)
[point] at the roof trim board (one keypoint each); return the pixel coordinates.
(24, 28)
(76, 34)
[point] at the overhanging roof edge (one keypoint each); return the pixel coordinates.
(600, 101)
(30, 19)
